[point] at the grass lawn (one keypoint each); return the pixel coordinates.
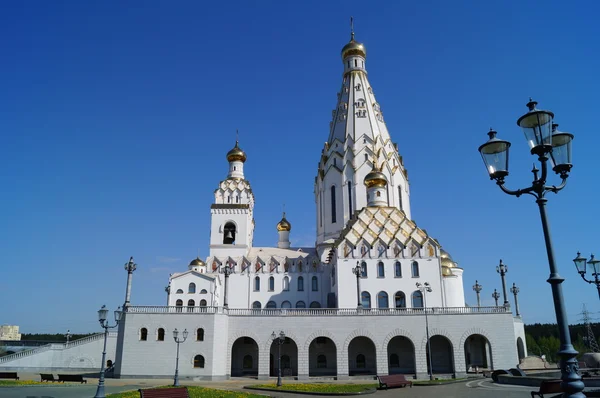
(318, 387)
(19, 383)
(195, 392)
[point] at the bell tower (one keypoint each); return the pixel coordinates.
(232, 214)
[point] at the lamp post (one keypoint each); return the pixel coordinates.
(102, 315)
(227, 272)
(68, 335)
(168, 291)
(502, 269)
(178, 341)
(358, 272)
(581, 262)
(280, 339)
(515, 291)
(477, 288)
(549, 145)
(425, 288)
(496, 296)
(130, 266)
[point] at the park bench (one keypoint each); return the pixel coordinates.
(73, 378)
(393, 381)
(179, 392)
(47, 377)
(9, 375)
(547, 387)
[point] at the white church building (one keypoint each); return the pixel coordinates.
(352, 305)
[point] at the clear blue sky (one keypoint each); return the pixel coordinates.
(115, 119)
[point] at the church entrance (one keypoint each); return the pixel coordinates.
(244, 357)
(477, 353)
(401, 356)
(289, 358)
(322, 357)
(442, 359)
(361, 357)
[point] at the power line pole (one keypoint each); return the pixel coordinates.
(591, 339)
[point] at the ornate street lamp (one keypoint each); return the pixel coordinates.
(178, 341)
(425, 288)
(130, 266)
(358, 272)
(227, 272)
(502, 269)
(102, 315)
(279, 339)
(496, 296)
(515, 291)
(477, 288)
(554, 147)
(581, 262)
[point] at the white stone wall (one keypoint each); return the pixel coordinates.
(182, 283)
(520, 332)
(9, 332)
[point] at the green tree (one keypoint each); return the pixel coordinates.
(532, 346)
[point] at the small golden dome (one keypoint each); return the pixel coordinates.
(236, 154)
(445, 254)
(354, 48)
(375, 179)
(446, 271)
(284, 224)
(197, 261)
(447, 262)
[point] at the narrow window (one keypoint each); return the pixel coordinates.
(417, 299)
(350, 199)
(198, 361)
(199, 334)
(191, 304)
(271, 284)
(355, 63)
(143, 334)
(363, 267)
(321, 361)
(300, 304)
(400, 197)
(348, 64)
(247, 362)
(257, 284)
(333, 208)
(380, 270)
(286, 283)
(315, 284)
(400, 300)
(366, 157)
(365, 298)
(364, 140)
(382, 300)
(237, 199)
(256, 305)
(300, 284)
(178, 305)
(234, 168)
(398, 270)
(160, 336)
(378, 193)
(361, 361)
(415, 269)
(192, 288)
(202, 303)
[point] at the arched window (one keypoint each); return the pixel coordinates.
(286, 304)
(203, 291)
(300, 304)
(199, 334)
(394, 361)
(415, 269)
(417, 299)
(315, 284)
(363, 268)
(192, 288)
(247, 362)
(321, 361)
(160, 335)
(271, 304)
(271, 284)
(143, 334)
(398, 270)
(257, 284)
(178, 304)
(286, 283)
(382, 300)
(202, 303)
(400, 300)
(300, 284)
(380, 270)
(378, 193)
(191, 303)
(256, 305)
(198, 361)
(315, 304)
(229, 231)
(365, 299)
(333, 208)
(361, 361)
(179, 291)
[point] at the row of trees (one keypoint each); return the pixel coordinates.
(542, 339)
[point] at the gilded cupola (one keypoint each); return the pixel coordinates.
(284, 224)
(375, 178)
(236, 154)
(197, 262)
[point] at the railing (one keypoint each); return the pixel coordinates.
(55, 346)
(317, 311)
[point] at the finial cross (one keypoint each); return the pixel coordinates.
(352, 28)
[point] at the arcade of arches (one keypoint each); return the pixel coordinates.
(324, 358)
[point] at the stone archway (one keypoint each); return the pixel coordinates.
(401, 356)
(362, 357)
(244, 357)
(289, 358)
(520, 349)
(442, 357)
(478, 353)
(322, 357)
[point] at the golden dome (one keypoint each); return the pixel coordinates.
(446, 271)
(354, 48)
(236, 154)
(284, 224)
(375, 179)
(197, 261)
(447, 262)
(445, 254)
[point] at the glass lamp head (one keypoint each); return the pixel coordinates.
(495, 156)
(118, 314)
(595, 265)
(102, 314)
(561, 151)
(580, 263)
(537, 126)
(185, 334)
(175, 333)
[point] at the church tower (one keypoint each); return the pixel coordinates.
(358, 140)
(232, 214)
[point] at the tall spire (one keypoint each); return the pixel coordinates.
(351, 28)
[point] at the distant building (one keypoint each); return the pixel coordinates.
(9, 332)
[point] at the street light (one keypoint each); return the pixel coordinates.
(581, 262)
(515, 290)
(477, 287)
(227, 272)
(550, 145)
(358, 272)
(102, 315)
(130, 266)
(502, 269)
(178, 341)
(280, 339)
(425, 288)
(496, 296)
